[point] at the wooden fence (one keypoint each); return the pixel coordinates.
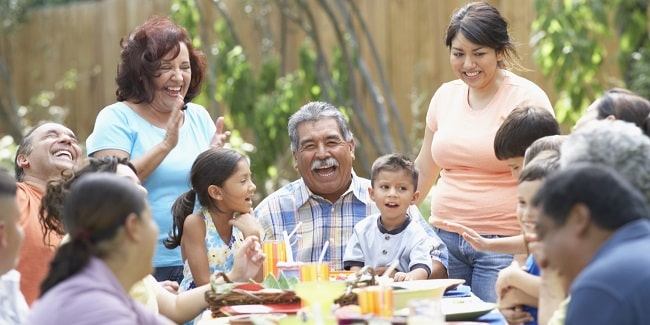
(84, 38)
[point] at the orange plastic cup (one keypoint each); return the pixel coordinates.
(315, 271)
(276, 251)
(376, 300)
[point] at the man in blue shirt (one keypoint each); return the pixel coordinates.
(594, 229)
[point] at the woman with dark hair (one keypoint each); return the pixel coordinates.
(474, 188)
(619, 104)
(154, 123)
(110, 226)
(181, 307)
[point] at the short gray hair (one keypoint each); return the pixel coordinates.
(617, 144)
(315, 111)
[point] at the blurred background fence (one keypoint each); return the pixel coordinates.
(83, 37)
(63, 58)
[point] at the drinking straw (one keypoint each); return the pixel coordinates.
(322, 253)
(320, 260)
(295, 229)
(287, 243)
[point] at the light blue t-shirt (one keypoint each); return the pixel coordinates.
(118, 127)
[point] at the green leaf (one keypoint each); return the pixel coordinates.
(292, 282)
(271, 282)
(283, 282)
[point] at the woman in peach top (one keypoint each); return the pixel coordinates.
(475, 188)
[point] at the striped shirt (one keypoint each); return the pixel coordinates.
(323, 220)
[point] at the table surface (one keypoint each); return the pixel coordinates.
(461, 292)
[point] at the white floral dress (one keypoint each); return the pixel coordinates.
(221, 256)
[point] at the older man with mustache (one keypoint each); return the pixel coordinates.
(329, 198)
(44, 152)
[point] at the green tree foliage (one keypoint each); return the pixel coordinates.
(568, 38)
(259, 101)
(16, 117)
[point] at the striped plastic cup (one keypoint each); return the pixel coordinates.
(276, 251)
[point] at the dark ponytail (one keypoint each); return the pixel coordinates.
(183, 207)
(70, 258)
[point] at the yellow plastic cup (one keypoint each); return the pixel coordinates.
(315, 271)
(376, 300)
(276, 251)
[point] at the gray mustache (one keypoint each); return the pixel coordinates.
(329, 162)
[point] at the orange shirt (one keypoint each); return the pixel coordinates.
(475, 188)
(34, 258)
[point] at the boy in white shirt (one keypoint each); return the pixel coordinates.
(391, 235)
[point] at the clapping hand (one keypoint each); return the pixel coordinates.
(220, 136)
(174, 123)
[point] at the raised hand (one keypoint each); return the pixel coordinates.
(249, 258)
(174, 124)
(220, 136)
(470, 235)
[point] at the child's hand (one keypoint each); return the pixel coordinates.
(516, 315)
(507, 278)
(417, 274)
(401, 276)
(247, 224)
(248, 260)
(470, 235)
(171, 286)
(380, 270)
(515, 297)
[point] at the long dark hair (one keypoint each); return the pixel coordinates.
(96, 206)
(50, 213)
(212, 167)
(142, 54)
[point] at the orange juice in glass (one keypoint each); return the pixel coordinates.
(314, 271)
(376, 300)
(276, 251)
